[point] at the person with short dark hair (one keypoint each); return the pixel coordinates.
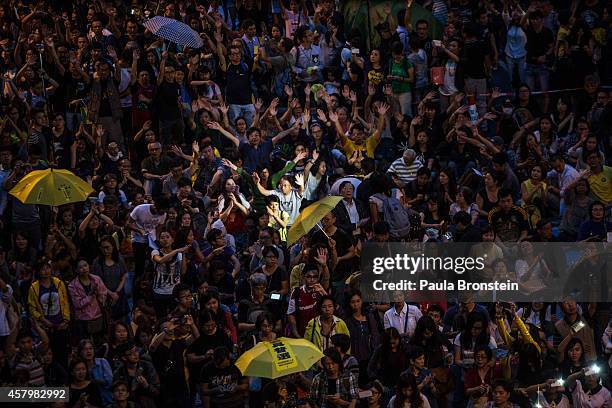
(334, 386)
(509, 220)
(221, 383)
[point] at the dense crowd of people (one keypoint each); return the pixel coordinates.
(498, 130)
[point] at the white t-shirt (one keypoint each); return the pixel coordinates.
(167, 275)
(147, 221)
(5, 298)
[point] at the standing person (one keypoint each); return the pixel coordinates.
(88, 294)
(170, 266)
(334, 387)
(402, 316)
(221, 383)
(238, 92)
(401, 76)
(167, 103)
(167, 351)
(139, 375)
(49, 306)
(104, 105)
(320, 329)
(303, 300)
(364, 332)
(475, 63)
(143, 221)
(540, 50)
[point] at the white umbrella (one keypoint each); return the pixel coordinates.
(336, 186)
(174, 31)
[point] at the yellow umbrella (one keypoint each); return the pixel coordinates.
(53, 187)
(278, 358)
(310, 216)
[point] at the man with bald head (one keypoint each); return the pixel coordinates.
(404, 169)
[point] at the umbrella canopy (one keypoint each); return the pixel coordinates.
(310, 216)
(175, 31)
(53, 187)
(278, 358)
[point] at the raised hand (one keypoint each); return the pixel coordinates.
(495, 93)
(307, 89)
(258, 104)
(458, 98)
(333, 116)
(288, 90)
(353, 96)
(306, 115)
(136, 54)
(383, 109)
(256, 178)
(224, 108)
(321, 115)
(299, 180)
(371, 90)
(315, 155)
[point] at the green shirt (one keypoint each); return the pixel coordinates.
(400, 69)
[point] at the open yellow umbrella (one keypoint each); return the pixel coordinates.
(53, 187)
(278, 358)
(310, 216)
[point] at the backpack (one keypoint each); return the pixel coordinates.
(254, 310)
(396, 216)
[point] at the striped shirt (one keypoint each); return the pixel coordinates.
(404, 172)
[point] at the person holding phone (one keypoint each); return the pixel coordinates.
(334, 387)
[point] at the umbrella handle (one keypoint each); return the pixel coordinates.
(323, 231)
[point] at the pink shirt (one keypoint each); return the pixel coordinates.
(87, 307)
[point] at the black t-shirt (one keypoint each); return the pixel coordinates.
(62, 145)
(92, 390)
(238, 87)
(166, 101)
(169, 363)
(225, 380)
(538, 44)
(472, 59)
(508, 225)
(202, 345)
(105, 107)
(73, 88)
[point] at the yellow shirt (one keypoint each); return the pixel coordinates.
(601, 185)
(369, 146)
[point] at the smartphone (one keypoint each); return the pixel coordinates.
(275, 296)
(92, 200)
(365, 394)
(576, 327)
(256, 49)
(355, 50)
(558, 384)
(436, 43)
(592, 370)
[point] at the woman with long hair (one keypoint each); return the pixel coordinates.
(111, 267)
(389, 359)
(315, 179)
(407, 394)
(364, 331)
(223, 316)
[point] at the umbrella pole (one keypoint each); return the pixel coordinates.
(323, 231)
